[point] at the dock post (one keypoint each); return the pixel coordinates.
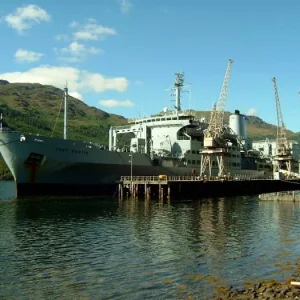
(145, 191)
(121, 191)
(134, 191)
(149, 192)
(136, 188)
(294, 196)
(169, 192)
(161, 194)
(159, 191)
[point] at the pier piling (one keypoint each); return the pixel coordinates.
(194, 187)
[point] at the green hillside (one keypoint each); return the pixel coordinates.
(35, 108)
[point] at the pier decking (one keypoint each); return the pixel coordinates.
(195, 187)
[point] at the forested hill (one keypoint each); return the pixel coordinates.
(34, 108)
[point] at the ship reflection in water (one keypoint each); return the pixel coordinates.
(139, 250)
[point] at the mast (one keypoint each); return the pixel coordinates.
(178, 84)
(177, 90)
(65, 111)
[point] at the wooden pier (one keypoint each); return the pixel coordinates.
(194, 187)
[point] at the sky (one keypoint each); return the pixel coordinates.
(121, 55)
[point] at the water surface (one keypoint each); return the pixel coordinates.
(106, 249)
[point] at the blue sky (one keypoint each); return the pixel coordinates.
(120, 55)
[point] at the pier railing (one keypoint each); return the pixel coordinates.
(164, 178)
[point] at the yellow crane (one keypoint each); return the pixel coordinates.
(214, 142)
(283, 155)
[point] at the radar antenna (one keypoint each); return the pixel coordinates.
(177, 89)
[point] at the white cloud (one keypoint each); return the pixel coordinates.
(252, 112)
(23, 55)
(62, 37)
(76, 95)
(80, 81)
(116, 103)
(92, 20)
(125, 6)
(73, 24)
(78, 49)
(76, 52)
(25, 17)
(92, 31)
(70, 59)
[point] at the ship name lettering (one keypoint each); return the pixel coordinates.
(80, 152)
(62, 149)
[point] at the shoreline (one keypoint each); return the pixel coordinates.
(267, 289)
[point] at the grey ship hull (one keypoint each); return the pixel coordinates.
(51, 166)
(90, 180)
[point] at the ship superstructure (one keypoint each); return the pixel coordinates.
(175, 138)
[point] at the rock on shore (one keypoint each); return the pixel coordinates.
(265, 290)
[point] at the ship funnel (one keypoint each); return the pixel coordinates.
(237, 122)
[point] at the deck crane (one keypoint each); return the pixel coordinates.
(215, 144)
(283, 155)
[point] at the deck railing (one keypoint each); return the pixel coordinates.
(164, 178)
(6, 130)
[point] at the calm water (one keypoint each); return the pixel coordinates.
(88, 249)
